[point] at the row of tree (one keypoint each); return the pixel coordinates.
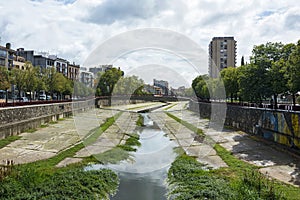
(32, 80)
(274, 69)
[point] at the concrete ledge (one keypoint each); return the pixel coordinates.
(15, 120)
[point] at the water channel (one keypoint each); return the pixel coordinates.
(144, 176)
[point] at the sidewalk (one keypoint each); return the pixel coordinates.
(47, 142)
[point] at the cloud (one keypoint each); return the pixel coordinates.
(111, 11)
(74, 28)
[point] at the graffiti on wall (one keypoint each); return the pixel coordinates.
(281, 127)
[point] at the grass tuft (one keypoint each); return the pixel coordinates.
(140, 121)
(6, 141)
(187, 125)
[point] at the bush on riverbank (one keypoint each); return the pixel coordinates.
(188, 180)
(120, 152)
(27, 183)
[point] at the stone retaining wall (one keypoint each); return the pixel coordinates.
(279, 126)
(14, 120)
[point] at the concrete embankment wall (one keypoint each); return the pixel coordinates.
(116, 102)
(279, 126)
(14, 120)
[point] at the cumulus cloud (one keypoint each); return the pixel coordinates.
(74, 28)
(110, 11)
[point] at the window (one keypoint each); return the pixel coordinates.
(2, 62)
(3, 53)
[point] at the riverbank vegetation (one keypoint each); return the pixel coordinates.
(43, 180)
(140, 121)
(72, 183)
(188, 179)
(120, 152)
(193, 128)
(6, 141)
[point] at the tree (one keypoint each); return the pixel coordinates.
(293, 72)
(108, 80)
(5, 80)
(242, 61)
(31, 78)
(230, 79)
(263, 58)
(278, 79)
(129, 85)
(49, 79)
(59, 83)
(253, 82)
(42, 79)
(263, 55)
(200, 86)
(68, 87)
(18, 79)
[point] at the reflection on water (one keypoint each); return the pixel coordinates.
(143, 179)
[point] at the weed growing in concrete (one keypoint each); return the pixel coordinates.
(140, 121)
(6, 141)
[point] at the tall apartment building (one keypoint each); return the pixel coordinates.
(222, 54)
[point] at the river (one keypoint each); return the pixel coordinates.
(144, 177)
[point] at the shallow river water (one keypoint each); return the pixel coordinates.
(143, 178)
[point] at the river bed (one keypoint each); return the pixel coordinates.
(143, 177)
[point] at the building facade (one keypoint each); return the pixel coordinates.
(152, 89)
(164, 85)
(19, 62)
(73, 71)
(222, 54)
(6, 56)
(44, 60)
(100, 68)
(87, 78)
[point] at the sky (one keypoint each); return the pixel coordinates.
(85, 30)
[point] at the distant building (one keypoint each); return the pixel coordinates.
(152, 89)
(6, 56)
(61, 66)
(19, 62)
(164, 85)
(87, 78)
(100, 68)
(41, 59)
(179, 91)
(222, 54)
(73, 71)
(45, 60)
(28, 55)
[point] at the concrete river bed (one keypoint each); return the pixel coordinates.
(144, 175)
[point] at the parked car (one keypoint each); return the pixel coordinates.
(23, 99)
(48, 97)
(42, 97)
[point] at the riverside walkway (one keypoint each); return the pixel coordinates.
(49, 141)
(275, 163)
